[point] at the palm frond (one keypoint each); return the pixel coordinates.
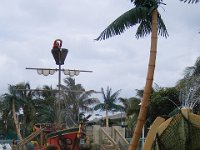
(85, 94)
(86, 109)
(124, 102)
(162, 30)
(189, 71)
(103, 93)
(115, 95)
(143, 29)
(47, 114)
(197, 67)
(190, 1)
(193, 70)
(117, 107)
(125, 21)
(100, 106)
(138, 2)
(90, 101)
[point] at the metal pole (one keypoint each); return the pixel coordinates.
(59, 84)
(143, 136)
(78, 104)
(78, 113)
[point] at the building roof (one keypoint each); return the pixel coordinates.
(112, 117)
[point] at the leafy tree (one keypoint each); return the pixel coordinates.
(109, 103)
(145, 14)
(162, 103)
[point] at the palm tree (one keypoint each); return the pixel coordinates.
(77, 98)
(46, 105)
(109, 102)
(28, 102)
(10, 101)
(145, 14)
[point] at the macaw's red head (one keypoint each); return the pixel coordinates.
(57, 43)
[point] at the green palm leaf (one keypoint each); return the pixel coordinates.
(162, 30)
(109, 100)
(143, 29)
(125, 21)
(138, 15)
(190, 1)
(100, 106)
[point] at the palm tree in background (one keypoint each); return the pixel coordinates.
(145, 14)
(27, 102)
(20, 96)
(77, 98)
(9, 105)
(109, 103)
(46, 105)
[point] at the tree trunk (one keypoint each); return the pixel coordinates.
(16, 121)
(148, 86)
(107, 118)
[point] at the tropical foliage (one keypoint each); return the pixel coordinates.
(109, 104)
(19, 96)
(40, 106)
(162, 103)
(8, 110)
(27, 101)
(140, 14)
(77, 99)
(46, 105)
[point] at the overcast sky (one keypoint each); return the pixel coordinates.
(28, 29)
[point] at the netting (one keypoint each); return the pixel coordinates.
(180, 134)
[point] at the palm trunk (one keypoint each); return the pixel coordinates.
(148, 86)
(106, 118)
(16, 121)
